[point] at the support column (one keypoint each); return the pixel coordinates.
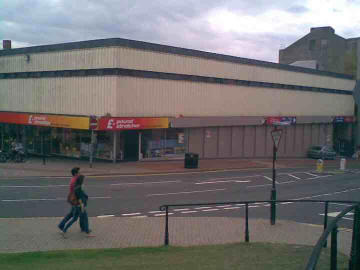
(114, 146)
(139, 154)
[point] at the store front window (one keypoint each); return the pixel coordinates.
(163, 143)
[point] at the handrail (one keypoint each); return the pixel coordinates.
(322, 242)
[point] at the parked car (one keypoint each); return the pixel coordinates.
(321, 151)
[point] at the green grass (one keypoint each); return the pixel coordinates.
(232, 256)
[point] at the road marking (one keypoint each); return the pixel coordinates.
(287, 182)
(334, 214)
(139, 217)
(161, 215)
(186, 192)
(253, 206)
(31, 200)
(268, 178)
(294, 176)
(222, 206)
(204, 207)
(56, 199)
(266, 185)
(210, 210)
(144, 183)
(183, 209)
(230, 208)
(222, 181)
(105, 216)
(154, 212)
(131, 214)
(286, 203)
(312, 174)
(188, 212)
(49, 186)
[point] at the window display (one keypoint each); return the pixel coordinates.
(163, 143)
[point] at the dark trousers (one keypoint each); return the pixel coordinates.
(84, 221)
(65, 219)
(75, 212)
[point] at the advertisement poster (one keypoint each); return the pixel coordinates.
(128, 123)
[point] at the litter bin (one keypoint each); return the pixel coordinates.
(191, 160)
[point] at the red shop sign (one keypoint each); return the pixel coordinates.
(126, 123)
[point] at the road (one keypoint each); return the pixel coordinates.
(141, 196)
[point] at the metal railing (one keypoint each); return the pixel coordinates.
(354, 262)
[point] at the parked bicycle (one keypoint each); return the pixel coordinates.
(16, 155)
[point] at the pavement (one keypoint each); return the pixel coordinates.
(41, 234)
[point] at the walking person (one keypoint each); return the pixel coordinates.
(83, 199)
(71, 198)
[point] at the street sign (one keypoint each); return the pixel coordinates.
(93, 122)
(276, 136)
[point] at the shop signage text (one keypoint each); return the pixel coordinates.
(282, 120)
(125, 123)
(343, 119)
(45, 120)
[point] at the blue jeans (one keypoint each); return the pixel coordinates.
(84, 222)
(75, 212)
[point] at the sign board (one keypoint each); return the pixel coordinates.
(344, 119)
(281, 120)
(129, 123)
(45, 120)
(93, 122)
(276, 136)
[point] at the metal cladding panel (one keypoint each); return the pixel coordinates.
(315, 134)
(196, 141)
(156, 97)
(225, 142)
(307, 138)
(59, 60)
(76, 96)
(238, 141)
(299, 140)
(249, 141)
(290, 141)
(260, 141)
(210, 142)
(122, 57)
(172, 63)
(269, 142)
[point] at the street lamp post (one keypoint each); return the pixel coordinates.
(276, 136)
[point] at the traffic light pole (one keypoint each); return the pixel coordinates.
(273, 189)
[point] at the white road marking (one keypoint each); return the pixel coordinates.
(210, 210)
(334, 214)
(183, 209)
(187, 192)
(139, 217)
(287, 182)
(49, 186)
(31, 200)
(294, 176)
(286, 203)
(131, 214)
(105, 216)
(155, 212)
(312, 174)
(266, 185)
(222, 181)
(253, 206)
(328, 194)
(222, 206)
(230, 208)
(188, 212)
(204, 207)
(268, 178)
(145, 183)
(160, 215)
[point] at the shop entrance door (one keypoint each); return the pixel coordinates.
(131, 147)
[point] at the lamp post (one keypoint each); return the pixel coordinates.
(276, 136)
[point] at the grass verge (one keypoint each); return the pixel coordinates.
(228, 257)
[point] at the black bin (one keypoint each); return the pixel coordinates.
(191, 160)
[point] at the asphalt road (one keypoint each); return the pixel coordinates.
(141, 196)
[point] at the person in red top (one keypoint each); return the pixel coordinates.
(75, 174)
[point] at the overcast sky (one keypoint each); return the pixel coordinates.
(247, 28)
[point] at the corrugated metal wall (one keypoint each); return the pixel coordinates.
(76, 96)
(153, 97)
(163, 62)
(256, 141)
(129, 96)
